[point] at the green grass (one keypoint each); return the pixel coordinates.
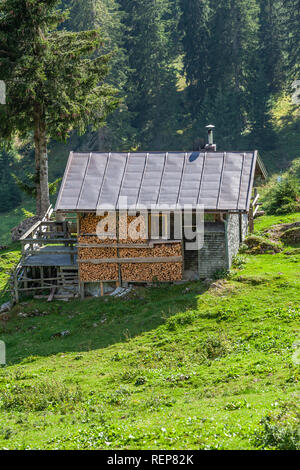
(8, 260)
(181, 367)
(263, 223)
(11, 219)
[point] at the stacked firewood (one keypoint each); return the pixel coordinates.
(94, 240)
(158, 251)
(89, 222)
(90, 272)
(132, 231)
(151, 272)
(98, 272)
(97, 253)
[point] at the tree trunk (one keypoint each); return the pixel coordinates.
(44, 173)
(41, 162)
(37, 160)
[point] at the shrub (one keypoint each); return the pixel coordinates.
(239, 262)
(216, 346)
(280, 430)
(38, 397)
(282, 197)
(261, 245)
(292, 235)
(236, 405)
(118, 397)
(180, 320)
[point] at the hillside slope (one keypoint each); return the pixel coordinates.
(184, 367)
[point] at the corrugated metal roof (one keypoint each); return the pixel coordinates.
(218, 180)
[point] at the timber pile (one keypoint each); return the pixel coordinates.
(94, 240)
(98, 272)
(125, 231)
(135, 272)
(89, 222)
(92, 272)
(151, 272)
(97, 253)
(88, 225)
(158, 251)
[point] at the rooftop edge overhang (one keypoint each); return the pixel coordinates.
(224, 181)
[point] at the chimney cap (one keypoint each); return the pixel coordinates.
(210, 126)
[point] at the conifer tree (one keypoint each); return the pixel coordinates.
(292, 14)
(271, 43)
(233, 46)
(151, 85)
(9, 193)
(54, 79)
(106, 15)
(196, 36)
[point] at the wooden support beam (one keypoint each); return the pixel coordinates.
(255, 200)
(30, 231)
(251, 220)
(149, 244)
(255, 211)
(16, 289)
(50, 298)
(81, 290)
(50, 252)
(169, 259)
(50, 241)
(42, 275)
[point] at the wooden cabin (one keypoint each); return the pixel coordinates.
(159, 189)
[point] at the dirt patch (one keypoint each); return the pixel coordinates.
(291, 236)
(253, 280)
(221, 287)
(260, 245)
(276, 232)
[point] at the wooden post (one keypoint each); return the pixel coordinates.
(81, 288)
(119, 283)
(16, 287)
(26, 276)
(102, 289)
(251, 220)
(78, 224)
(42, 275)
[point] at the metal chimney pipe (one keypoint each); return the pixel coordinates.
(211, 146)
(210, 129)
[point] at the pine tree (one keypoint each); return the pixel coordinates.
(232, 47)
(151, 86)
(54, 79)
(9, 193)
(267, 75)
(196, 36)
(106, 15)
(292, 14)
(271, 43)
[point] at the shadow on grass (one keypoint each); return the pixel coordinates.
(34, 327)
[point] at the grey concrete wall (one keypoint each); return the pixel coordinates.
(220, 246)
(213, 256)
(245, 226)
(233, 236)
